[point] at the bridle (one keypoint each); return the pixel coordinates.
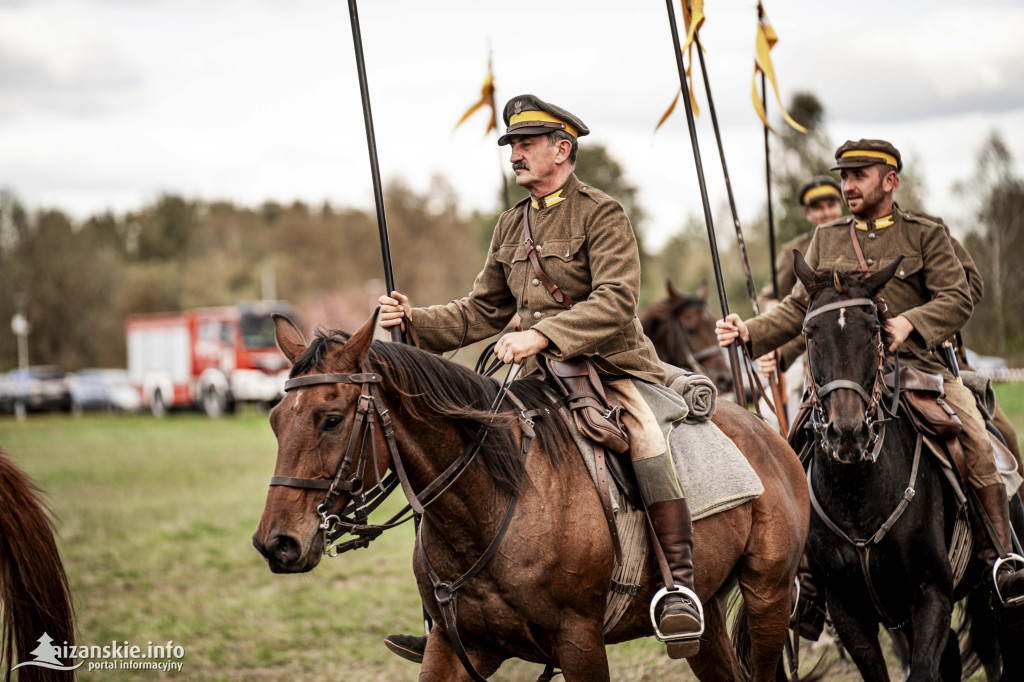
(819, 420)
(351, 472)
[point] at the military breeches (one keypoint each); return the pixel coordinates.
(648, 413)
(981, 465)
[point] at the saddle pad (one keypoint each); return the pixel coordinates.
(714, 474)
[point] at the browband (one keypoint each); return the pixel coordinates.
(313, 379)
(852, 303)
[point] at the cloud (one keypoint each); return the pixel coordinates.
(55, 61)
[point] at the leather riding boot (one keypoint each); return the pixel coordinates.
(678, 613)
(810, 608)
(1009, 578)
(409, 647)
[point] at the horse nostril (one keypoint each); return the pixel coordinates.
(282, 548)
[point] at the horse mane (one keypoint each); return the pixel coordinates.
(429, 386)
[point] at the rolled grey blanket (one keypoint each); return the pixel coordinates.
(697, 390)
(981, 386)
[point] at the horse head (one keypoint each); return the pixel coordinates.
(845, 348)
(320, 442)
(683, 332)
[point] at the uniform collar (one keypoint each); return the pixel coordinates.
(877, 224)
(556, 197)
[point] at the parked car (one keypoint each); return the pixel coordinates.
(103, 389)
(38, 389)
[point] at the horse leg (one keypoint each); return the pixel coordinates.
(930, 620)
(442, 664)
(858, 631)
(580, 651)
(951, 667)
(769, 604)
(716, 660)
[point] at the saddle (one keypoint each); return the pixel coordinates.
(921, 396)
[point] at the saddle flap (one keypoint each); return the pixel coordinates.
(596, 418)
(913, 379)
(1005, 461)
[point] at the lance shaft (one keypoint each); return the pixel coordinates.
(371, 144)
(773, 379)
(734, 361)
(768, 175)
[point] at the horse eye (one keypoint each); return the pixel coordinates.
(332, 422)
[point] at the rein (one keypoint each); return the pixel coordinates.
(350, 479)
(872, 399)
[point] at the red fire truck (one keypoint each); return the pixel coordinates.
(208, 358)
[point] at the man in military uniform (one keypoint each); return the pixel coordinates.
(929, 300)
(820, 199)
(587, 249)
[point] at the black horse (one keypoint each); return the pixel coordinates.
(683, 332)
(884, 515)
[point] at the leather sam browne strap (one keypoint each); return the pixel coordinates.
(531, 253)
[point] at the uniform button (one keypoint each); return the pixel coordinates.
(871, 235)
(540, 247)
(536, 315)
(871, 261)
(535, 281)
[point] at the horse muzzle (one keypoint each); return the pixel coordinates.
(286, 554)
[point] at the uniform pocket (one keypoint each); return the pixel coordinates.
(909, 267)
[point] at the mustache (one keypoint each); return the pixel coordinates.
(520, 165)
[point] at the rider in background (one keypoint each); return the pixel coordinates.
(929, 300)
(587, 248)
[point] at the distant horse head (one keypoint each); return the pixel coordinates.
(683, 332)
(845, 348)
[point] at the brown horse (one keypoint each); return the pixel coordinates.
(33, 586)
(540, 596)
(683, 332)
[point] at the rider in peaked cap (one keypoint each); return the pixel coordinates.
(864, 153)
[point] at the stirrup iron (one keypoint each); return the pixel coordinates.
(685, 592)
(1009, 558)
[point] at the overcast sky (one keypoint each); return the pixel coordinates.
(106, 104)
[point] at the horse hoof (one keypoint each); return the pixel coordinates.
(683, 648)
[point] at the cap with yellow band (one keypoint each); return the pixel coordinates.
(863, 153)
(818, 188)
(530, 115)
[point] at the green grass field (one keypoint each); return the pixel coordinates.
(154, 521)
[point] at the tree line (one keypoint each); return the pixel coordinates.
(77, 283)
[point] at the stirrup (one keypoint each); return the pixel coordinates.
(1009, 558)
(685, 592)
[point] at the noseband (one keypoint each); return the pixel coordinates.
(819, 421)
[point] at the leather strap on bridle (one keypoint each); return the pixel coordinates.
(531, 253)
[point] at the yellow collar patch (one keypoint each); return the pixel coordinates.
(545, 202)
(879, 224)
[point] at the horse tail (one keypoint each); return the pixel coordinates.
(33, 585)
(740, 634)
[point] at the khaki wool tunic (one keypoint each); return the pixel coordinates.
(587, 247)
(930, 289)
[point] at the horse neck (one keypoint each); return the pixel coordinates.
(426, 453)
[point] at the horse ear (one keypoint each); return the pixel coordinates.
(836, 282)
(879, 279)
(804, 272)
(673, 293)
(359, 343)
(702, 290)
(289, 338)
